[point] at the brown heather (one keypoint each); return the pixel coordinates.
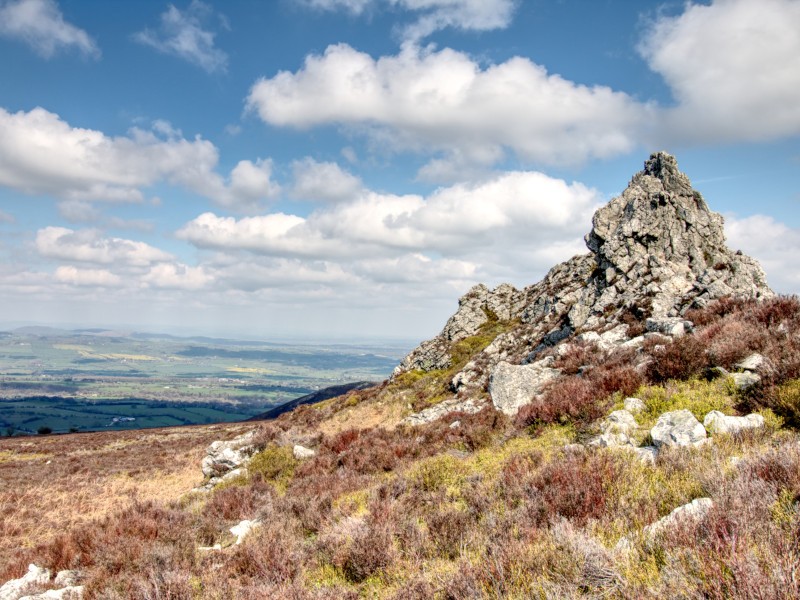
(488, 509)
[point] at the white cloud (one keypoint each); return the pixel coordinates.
(89, 246)
(495, 219)
(733, 67)
(6, 217)
(41, 25)
(86, 277)
(444, 101)
(181, 34)
(176, 276)
(42, 154)
(325, 181)
(775, 245)
(434, 15)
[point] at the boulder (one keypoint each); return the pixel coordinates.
(610, 439)
(513, 386)
(224, 456)
(677, 428)
(647, 454)
(621, 421)
(753, 363)
(717, 422)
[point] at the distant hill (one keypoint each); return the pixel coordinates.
(313, 398)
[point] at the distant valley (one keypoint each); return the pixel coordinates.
(54, 380)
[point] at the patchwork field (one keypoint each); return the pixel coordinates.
(60, 381)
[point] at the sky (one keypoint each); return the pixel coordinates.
(346, 169)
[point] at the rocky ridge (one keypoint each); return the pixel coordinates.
(655, 251)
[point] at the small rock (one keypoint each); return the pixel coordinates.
(694, 510)
(224, 456)
(243, 529)
(671, 326)
(634, 405)
(301, 452)
(717, 422)
(610, 440)
(437, 411)
(71, 592)
(677, 428)
(647, 454)
(455, 424)
(752, 363)
(620, 421)
(745, 380)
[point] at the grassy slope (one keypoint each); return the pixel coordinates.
(492, 508)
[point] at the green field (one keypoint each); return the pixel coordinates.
(76, 381)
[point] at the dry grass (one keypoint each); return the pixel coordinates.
(49, 485)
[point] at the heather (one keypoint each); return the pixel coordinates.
(494, 507)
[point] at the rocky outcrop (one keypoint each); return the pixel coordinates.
(437, 411)
(695, 510)
(654, 252)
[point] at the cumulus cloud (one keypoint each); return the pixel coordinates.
(174, 275)
(445, 101)
(88, 245)
(733, 68)
(493, 219)
(774, 244)
(42, 154)
(324, 181)
(41, 25)
(86, 277)
(433, 15)
(182, 34)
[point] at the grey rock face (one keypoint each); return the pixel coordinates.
(656, 249)
(677, 428)
(753, 363)
(514, 386)
(717, 422)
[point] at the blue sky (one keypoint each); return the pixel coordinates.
(349, 168)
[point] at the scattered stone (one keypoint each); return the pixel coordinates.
(68, 578)
(243, 528)
(745, 380)
(717, 422)
(455, 424)
(634, 405)
(437, 411)
(753, 363)
(646, 454)
(611, 440)
(302, 453)
(693, 511)
(13, 589)
(677, 428)
(671, 326)
(513, 386)
(621, 421)
(223, 456)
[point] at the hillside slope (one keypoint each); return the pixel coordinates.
(584, 437)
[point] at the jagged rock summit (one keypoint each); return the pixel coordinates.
(654, 252)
